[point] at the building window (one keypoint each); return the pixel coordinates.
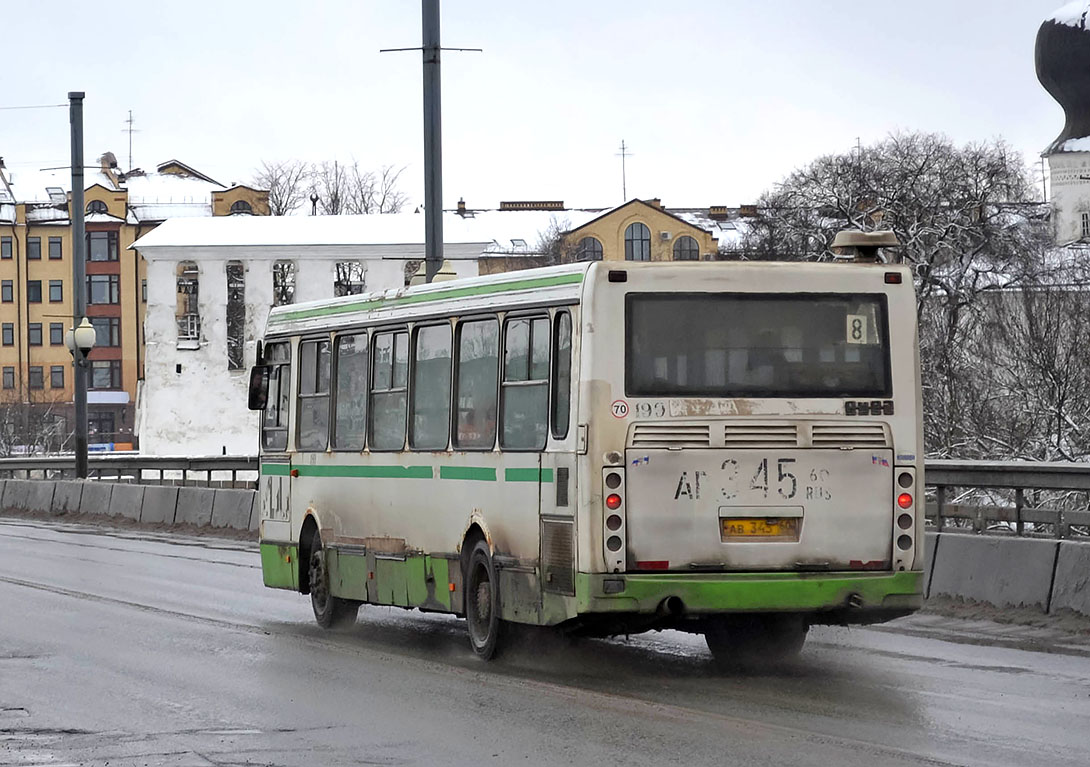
(637, 242)
(8, 332)
(9, 377)
(104, 289)
(5, 247)
(56, 376)
(241, 207)
(102, 246)
(349, 278)
(187, 311)
(56, 291)
(37, 379)
(34, 291)
(34, 334)
(1086, 225)
(236, 315)
(100, 423)
(34, 248)
(686, 249)
(106, 374)
(144, 291)
(6, 291)
(97, 206)
(107, 331)
(283, 283)
(55, 248)
(56, 334)
(590, 249)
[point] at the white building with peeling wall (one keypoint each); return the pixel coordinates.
(201, 333)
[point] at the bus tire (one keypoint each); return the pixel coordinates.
(482, 608)
(329, 611)
(756, 640)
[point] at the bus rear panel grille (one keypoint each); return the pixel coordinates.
(671, 435)
(850, 435)
(758, 435)
(557, 556)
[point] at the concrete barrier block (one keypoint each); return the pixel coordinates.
(126, 501)
(66, 496)
(95, 498)
(231, 508)
(1005, 572)
(255, 513)
(1071, 587)
(160, 503)
(194, 506)
(16, 494)
(930, 548)
(3, 484)
(40, 496)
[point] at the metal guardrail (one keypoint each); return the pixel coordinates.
(1010, 497)
(207, 471)
(1001, 497)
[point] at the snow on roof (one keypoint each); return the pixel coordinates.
(502, 228)
(30, 186)
(1075, 145)
(1073, 14)
(169, 188)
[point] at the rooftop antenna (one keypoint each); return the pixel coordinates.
(130, 130)
(433, 139)
(624, 182)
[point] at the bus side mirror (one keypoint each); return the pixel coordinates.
(259, 387)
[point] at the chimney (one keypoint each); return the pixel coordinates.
(718, 212)
(461, 207)
(109, 167)
(654, 202)
(748, 211)
(531, 205)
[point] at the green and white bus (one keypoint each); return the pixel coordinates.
(732, 449)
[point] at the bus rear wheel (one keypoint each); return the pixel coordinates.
(482, 592)
(756, 640)
(329, 611)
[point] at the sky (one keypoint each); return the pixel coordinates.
(717, 100)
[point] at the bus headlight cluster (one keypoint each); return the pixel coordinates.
(613, 523)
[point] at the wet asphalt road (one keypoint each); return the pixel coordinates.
(126, 648)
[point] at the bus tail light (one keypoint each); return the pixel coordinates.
(613, 518)
(904, 518)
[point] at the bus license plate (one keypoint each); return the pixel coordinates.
(758, 528)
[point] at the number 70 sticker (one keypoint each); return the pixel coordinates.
(619, 408)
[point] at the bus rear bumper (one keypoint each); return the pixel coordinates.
(838, 597)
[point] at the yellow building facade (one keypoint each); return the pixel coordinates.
(640, 230)
(36, 295)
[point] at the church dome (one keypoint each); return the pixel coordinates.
(1062, 57)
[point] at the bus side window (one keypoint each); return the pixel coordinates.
(274, 422)
(475, 384)
(389, 376)
(525, 390)
(431, 388)
(561, 374)
(313, 395)
(350, 404)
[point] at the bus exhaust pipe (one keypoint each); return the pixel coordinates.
(672, 607)
(855, 601)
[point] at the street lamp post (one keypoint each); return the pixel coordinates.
(79, 346)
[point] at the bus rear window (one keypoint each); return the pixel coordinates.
(756, 345)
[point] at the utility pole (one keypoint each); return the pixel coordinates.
(624, 181)
(130, 130)
(79, 288)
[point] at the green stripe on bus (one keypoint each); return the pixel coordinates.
(275, 469)
(528, 475)
(467, 472)
(440, 295)
(371, 472)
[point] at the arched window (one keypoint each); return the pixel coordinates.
(236, 314)
(283, 283)
(241, 207)
(589, 249)
(97, 206)
(686, 249)
(637, 242)
(187, 311)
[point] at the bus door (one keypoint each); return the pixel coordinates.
(274, 489)
(557, 475)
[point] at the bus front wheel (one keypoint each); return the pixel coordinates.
(329, 611)
(482, 593)
(756, 640)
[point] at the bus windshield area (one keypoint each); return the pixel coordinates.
(757, 345)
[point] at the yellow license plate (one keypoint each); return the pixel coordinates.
(777, 528)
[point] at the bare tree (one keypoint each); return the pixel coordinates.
(287, 183)
(330, 181)
(30, 423)
(554, 244)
